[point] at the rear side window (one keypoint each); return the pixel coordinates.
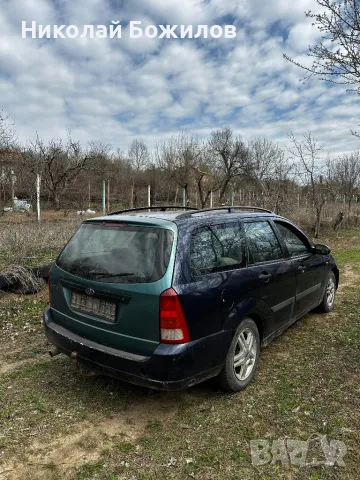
(295, 242)
(117, 253)
(262, 243)
(217, 248)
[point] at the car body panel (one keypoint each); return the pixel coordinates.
(310, 279)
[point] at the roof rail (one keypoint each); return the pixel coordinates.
(142, 209)
(230, 209)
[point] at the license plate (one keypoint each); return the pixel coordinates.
(94, 306)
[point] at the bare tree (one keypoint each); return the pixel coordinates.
(306, 153)
(346, 175)
(138, 155)
(179, 157)
(336, 57)
(59, 164)
(9, 155)
(7, 135)
(231, 157)
(271, 171)
(138, 158)
(207, 181)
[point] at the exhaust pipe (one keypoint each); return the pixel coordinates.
(53, 353)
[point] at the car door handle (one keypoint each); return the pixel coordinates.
(301, 268)
(265, 277)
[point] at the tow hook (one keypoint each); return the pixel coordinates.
(74, 357)
(81, 370)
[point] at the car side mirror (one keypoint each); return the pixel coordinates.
(320, 249)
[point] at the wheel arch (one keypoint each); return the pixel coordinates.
(259, 323)
(255, 309)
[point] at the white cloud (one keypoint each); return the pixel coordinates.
(179, 11)
(302, 35)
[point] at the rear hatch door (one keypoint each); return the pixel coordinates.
(105, 285)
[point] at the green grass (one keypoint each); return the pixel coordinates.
(347, 257)
(91, 471)
(345, 247)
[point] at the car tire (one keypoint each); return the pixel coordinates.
(328, 299)
(242, 358)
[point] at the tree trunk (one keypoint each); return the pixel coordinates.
(186, 194)
(176, 194)
(223, 190)
(55, 199)
(204, 199)
(318, 211)
(349, 207)
(203, 196)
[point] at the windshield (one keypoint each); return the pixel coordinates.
(118, 253)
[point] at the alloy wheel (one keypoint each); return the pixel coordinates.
(245, 354)
(330, 291)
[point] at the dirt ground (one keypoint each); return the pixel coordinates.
(55, 424)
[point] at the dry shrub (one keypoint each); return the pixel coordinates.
(304, 216)
(22, 280)
(32, 244)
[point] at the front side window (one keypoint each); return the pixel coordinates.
(217, 248)
(294, 241)
(118, 253)
(262, 243)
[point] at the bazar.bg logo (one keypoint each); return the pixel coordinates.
(315, 451)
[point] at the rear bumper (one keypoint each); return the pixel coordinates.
(170, 367)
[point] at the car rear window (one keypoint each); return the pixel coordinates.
(118, 253)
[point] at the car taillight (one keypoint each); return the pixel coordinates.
(173, 328)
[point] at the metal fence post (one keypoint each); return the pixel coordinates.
(104, 198)
(38, 182)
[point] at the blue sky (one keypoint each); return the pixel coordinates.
(116, 90)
